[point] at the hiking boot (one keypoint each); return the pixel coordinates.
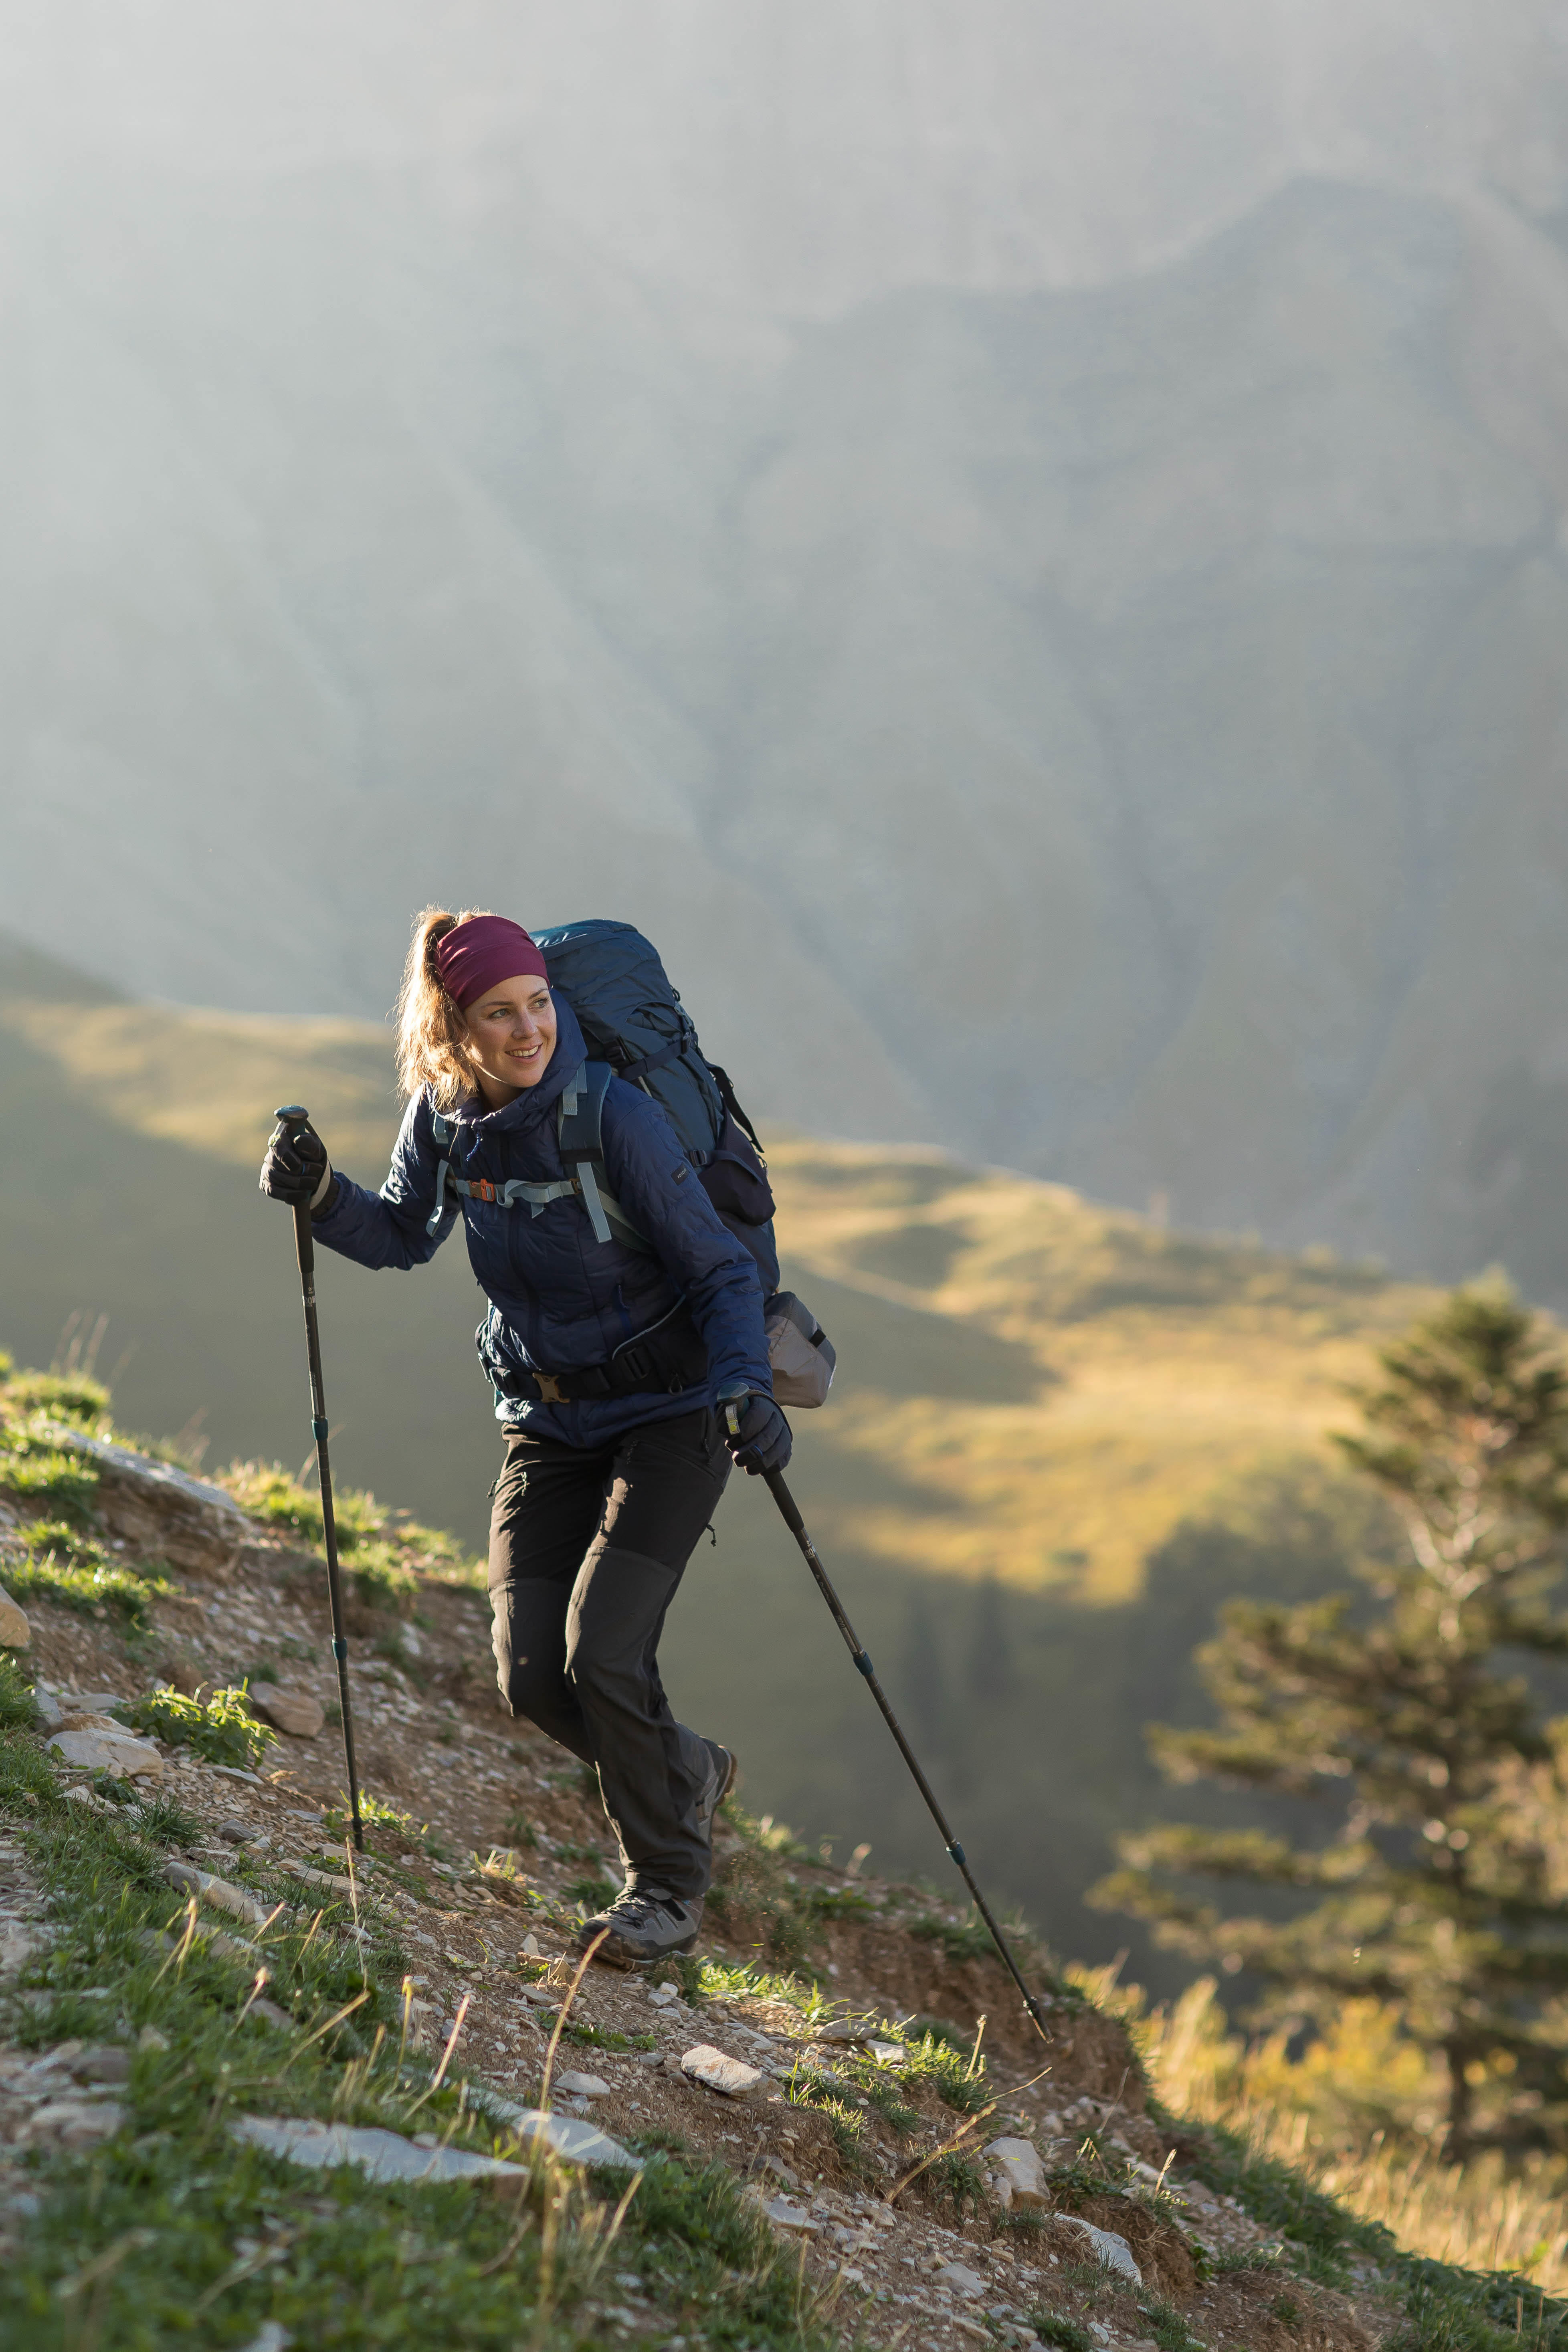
(723, 1778)
(646, 1925)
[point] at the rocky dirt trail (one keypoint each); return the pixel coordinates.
(996, 2189)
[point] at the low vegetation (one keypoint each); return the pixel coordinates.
(386, 1552)
(222, 1728)
(148, 2239)
(173, 2230)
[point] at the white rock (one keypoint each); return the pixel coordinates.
(785, 2216)
(216, 1891)
(1018, 2162)
(563, 2136)
(710, 2067)
(120, 1752)
(581, 2086)
(383, 2154)
(1111, 2252)
(295, 1712)
(72, 2122)
(961, 2280)
(16, 1633)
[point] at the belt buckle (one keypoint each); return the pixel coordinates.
(484, 1190)
(549, 1388)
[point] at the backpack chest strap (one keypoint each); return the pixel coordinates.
(582, 1149)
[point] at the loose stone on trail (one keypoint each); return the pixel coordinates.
(16, 1633)
(794, 2217)
(294, 1712)
(382, 2155)
(581, 2086)
(120, 1752)
(1022, 2175)
(716, 2073)
(1112, 2251)
(216, 1891)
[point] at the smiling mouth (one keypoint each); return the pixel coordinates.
(525, 1053)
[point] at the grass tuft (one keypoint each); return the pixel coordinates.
(19, 1707)
(60, 1564)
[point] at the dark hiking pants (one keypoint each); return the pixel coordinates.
(586, 1550)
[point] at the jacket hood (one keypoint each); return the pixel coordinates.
(535, 1103)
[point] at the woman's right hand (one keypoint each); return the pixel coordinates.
(296, 1170)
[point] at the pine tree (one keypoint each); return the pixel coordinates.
(1439, 1885)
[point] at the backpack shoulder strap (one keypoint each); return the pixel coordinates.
(580, 1128)
(441, 1130)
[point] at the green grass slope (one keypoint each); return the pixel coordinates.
(1059, 1435)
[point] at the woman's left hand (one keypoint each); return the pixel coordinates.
(756, 1432)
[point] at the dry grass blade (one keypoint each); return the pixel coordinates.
(573, 1990)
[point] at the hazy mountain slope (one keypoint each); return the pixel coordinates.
(1059, 1436)
(1104, 731)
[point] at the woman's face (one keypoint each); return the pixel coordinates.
(512, 1036)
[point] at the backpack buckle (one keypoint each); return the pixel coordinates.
(482, 1190)
(549, 1386)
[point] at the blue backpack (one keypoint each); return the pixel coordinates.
(637, 1028)
(632, 1021)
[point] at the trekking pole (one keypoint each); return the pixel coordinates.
(796, 1526)
(305, 1251)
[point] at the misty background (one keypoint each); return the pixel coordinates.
(1021, 542)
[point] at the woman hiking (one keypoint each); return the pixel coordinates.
(609, 1361)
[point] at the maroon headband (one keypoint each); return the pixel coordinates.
(475, 956)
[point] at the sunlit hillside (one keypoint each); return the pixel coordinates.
(1051, 1384)
(1059, 1436)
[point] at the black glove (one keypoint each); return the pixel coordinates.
(755, 1430)
(296, 1170)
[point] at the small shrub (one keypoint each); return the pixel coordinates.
(957, 2180)
(1171, 2331)
(948, 2071)
(1064, 2334)
(221, 1728)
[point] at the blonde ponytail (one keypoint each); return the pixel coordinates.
(431, 1031)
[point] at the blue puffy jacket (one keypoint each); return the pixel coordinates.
(560, 1300)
